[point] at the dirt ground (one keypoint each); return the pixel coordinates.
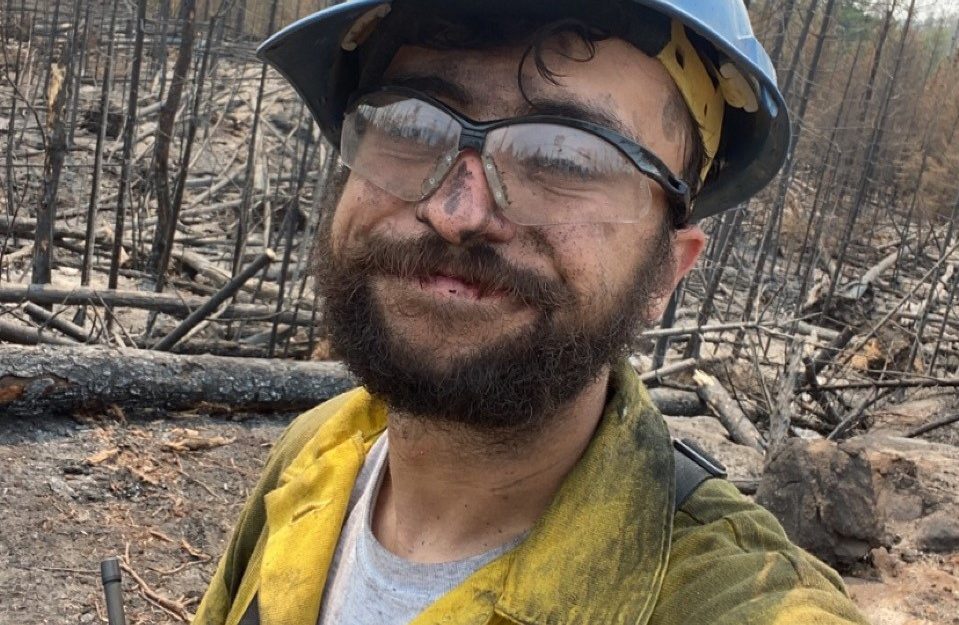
(922, 592)
(163, 493)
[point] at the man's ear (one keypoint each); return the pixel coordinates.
(688, 244)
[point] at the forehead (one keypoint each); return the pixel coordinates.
(621, 85)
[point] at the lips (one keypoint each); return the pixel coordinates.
(453, 287)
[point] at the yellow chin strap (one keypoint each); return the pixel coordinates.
(706, 89)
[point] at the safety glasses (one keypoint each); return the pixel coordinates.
(541, 169)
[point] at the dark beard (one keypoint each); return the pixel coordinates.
(512, 384)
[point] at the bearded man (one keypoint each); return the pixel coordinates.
(524, 182)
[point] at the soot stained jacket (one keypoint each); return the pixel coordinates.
(610, 550)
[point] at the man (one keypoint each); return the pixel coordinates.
(525, 178)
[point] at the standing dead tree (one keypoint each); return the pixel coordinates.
(167, 208)
(128, 137)
(59, 84)
(104, 113)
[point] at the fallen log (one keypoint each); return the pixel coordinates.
(682, 366)
(61, 380)
(25, 335)
(807, 329)
(220, 277)
(859, 287)
(676, 403)
(815, 364)
(23, 226)
(905, 383)
(231, 349)
(170, 304)
(935, 425)
(800, 327)
(854, 290)
(740, 429)
(687, 330)
(47, 319)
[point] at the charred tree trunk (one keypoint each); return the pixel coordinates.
(173, 305)
(94, 206)
(801, 44)
(786, 177)
(128, 139)
(12, 209)
(59, 84)
(166, 212)
(243, 212)
(779, 40)
(731, 228)
(872, 152)
(848, 162)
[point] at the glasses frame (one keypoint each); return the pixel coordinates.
(473, 136)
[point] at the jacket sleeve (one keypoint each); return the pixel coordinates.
(731, 563)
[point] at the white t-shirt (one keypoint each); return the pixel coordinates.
(369, 585)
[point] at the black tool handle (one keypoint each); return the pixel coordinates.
(110, 574)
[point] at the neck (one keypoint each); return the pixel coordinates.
(453, 493)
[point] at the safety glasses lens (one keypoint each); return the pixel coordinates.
(539, 173)
(554, 174)
(400, 144)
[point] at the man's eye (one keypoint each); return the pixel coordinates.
(424, 135)
(570, 168)
(402, 142)
(403, 153)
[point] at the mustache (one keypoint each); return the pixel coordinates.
(479, 265)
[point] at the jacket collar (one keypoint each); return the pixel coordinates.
(311, 499)
(608, 529)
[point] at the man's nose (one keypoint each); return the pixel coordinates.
(463, 210)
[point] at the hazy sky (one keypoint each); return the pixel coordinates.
(924, 8)
(937, 7)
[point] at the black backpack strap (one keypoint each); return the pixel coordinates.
(693, 467)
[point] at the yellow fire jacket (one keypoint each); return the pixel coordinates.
(610, 550)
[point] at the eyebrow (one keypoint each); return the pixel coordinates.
(434, 86)
(580, 110)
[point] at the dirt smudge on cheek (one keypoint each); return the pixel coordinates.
(541, 243)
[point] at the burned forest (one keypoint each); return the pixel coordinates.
(160, 194)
